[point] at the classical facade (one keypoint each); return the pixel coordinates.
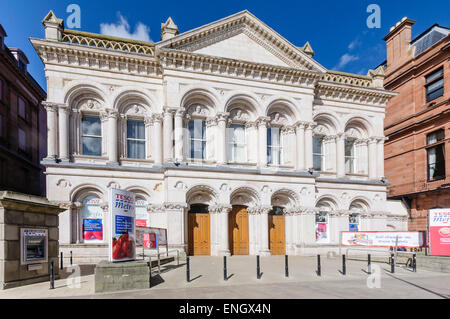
(418, 119)
(232, 138)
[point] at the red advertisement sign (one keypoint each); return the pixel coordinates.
(141, 223)
(439, 223)
(150, 241)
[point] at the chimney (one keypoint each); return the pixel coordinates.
(54, 27)
(21, 59)
(168, 29)
(397, 43)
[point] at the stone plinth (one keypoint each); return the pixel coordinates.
(130, 275)
(25, 211)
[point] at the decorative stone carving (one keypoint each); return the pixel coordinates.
(114, 185)
(219, 209)
(90, 105)
(238, 115)
(198, 110)
(64, 183)
(259, 210)
(155, 209)
(180, 186)
(278, 119)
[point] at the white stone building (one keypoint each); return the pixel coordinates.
(234, 139)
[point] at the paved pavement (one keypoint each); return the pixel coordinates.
(303, 283)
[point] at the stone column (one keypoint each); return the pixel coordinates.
(340, 154)
(179, 142)
(112, 137)
(251, 137)
(157, 156)
(262, 219)
(222, 213)
(148, 137)
(300, 136)
(176, 225)
(330, 153)
(168, 135)
(63, 126)
(221, 138)
(380, 151)
(309, 145)
(373, 158)
(51, 109)
(262, 141)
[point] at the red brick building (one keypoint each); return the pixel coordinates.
(23, 127)
(417, 124)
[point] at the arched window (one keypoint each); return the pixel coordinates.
(318, 153)
(322, 224)
(197, 139)
(353, 221)
(237, 145)
(92, 220)
(91, 135)
(136, 140)
(350, 156)
(274, 146)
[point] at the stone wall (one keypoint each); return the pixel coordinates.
(24, 211)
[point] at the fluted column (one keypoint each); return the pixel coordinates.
(300, 136)
(380, 151)
(51, 130)
(179, 142)
(157, 123)
(373, 158)
(262, 141)
(112, 137)
(340, 154)
(63, 126)
(221, 138)
(168, 135)
(309, 145)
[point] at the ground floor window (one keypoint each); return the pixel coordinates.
(353, 222)
(322, 227)
(142, 217)
(92, 220)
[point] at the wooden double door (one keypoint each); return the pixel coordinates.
(199, 243)
(238, 231)
(277, 235)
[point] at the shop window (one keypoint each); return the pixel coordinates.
(436, 156)
(322, 227)
(318, 156)
(92, 220)
(142, 217)
(197, 139)
(237, 146)
(91, 138)
(434, 87)
(136, 139)
(353, 222)
(274, 147)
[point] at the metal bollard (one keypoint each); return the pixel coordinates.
(258, 268)
(71, 259)
(286, 265)
(150, 262)
(369, 266)
(159, 264)
(62, 260)
(52, 275)
(178, 258)
(319, 270)
(188, 270)
(225, 276)
(344, 268)
(392, 263)
(414, 263)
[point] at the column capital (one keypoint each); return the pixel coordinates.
(310, 125)
(373, 140)
(330, 138)
(169, 111)
(157, 118)
(180, 112)
(112, 114)
(222, 117)
(51, 106)
(288, 129)
(259, 210)
(148, 120)
(262, 121)
(250, 125)
(300, 125)
(211, 121)
(220, 209)
(340, 136)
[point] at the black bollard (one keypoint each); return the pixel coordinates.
(225, 276)
(344, 268)
(188, 270)
(369, 266)
(258, 268)
(52, 275)
(71, 260)
(319, 270)
(392, 263)
(414, 263)
(286, 265)
(62, 260)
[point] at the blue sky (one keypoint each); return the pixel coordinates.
(336, 30)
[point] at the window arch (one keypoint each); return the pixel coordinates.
(357, 208)
(322, 220)
(356, 149)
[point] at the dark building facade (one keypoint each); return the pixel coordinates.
(23, 126)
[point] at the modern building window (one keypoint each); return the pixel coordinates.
(136, 139)
(274, 146)
(21, 108)
(318, 156)
(434, 86)
(350, 159)
(22, 136)
(322, 229)
(237, 146)
(197, 139)
(436, 156)
(91, 138)
(92, 220)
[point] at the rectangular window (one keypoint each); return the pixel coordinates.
(318, 157)
(353, 222)
(197, 139)
(436, 156)
(22, 140)
(274, 147)
(434, 87)
(21, 108)
(136, 139)
(237, 146)
(91, 138)
(349, 156)
(322, 235)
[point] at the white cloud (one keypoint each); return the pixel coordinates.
(353, 44)
(346, 59)
(122, 30)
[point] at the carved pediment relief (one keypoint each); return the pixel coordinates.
(89, 105)
(278, 119)
(198, 110)
(136, 110)
(239, 115)
(321, 130)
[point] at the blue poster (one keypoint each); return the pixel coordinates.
(353, 227)
(124, 225)
(93, 230)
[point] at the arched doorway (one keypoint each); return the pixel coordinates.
(199, 243)
(238, 231)
(277, 234)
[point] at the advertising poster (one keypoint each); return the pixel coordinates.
(150, 241)
(92, 220)
(383, 239)
(353, 227)
(141, 213)
(93, 230)
(439, 223)
(321, 233)
(123, 220)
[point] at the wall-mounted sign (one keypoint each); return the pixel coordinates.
(150, 241)
(439, 223)
(123, 220)
(33, 246)
(93, 230)
(383, 239)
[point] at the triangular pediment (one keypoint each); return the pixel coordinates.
(242, 37)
